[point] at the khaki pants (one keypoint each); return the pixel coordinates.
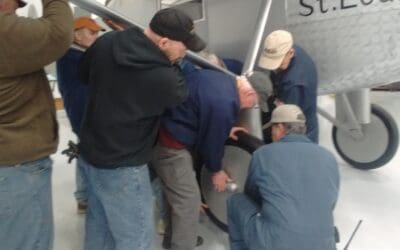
(175, 169)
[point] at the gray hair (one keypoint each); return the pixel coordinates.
(295, 128)
(211, 57)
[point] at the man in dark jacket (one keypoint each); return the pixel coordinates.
(132, 80)
(290, 193)
(294, 76)
(74, 91)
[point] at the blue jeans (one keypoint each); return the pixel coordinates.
(81, 180)
(244, 224)
(26, 216)
(119, 215)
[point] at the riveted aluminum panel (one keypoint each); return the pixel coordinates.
(355, 43)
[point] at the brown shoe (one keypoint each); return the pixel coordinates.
(82, 206)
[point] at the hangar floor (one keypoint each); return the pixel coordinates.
(372, 196)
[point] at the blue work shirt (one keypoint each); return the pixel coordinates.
(204, 120)
(298, 85)
(296, 183)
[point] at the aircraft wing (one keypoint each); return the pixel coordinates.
(355, 44)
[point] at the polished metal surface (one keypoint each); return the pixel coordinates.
(257, 40)
(102, 11)
(254, 119)
(140, 11)
(361, 104)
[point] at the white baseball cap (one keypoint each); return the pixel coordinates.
(276, 45)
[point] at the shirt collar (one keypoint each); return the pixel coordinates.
(295, 138)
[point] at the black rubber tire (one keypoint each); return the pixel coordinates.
(390, 150)
(246, 142)
(249, 144)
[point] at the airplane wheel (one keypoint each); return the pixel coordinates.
(236, 161)
(377, 146)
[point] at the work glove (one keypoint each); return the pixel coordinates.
(71, 152)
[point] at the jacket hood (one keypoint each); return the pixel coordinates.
(133, 49)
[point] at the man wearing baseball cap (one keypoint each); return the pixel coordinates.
(74, 91)
(133, 78)
(290, 192)
(11, 6)
(294, 76)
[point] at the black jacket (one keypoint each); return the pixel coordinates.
(131, 83)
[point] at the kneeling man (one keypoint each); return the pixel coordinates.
(290, 193)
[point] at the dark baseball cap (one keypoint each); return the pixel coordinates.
(176, 25)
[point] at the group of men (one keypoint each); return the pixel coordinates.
(131, 100)
(292, 184)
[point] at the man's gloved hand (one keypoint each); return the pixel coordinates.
(71, 152)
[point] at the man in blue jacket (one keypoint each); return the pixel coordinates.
(201, 124)
(290, 193)
(132, 78)
(74, 91)
(294, 76)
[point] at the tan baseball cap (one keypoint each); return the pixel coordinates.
(276, 45)
(286, 113)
